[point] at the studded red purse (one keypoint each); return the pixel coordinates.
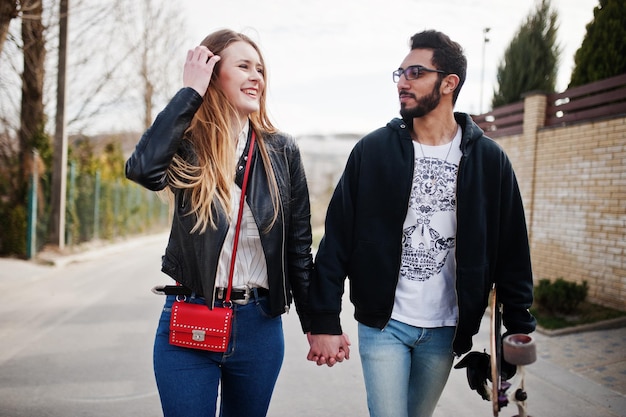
(196, 325)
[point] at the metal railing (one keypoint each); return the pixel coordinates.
(97, 208)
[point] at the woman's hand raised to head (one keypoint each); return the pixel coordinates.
(198, 68)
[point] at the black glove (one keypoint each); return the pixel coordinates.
(478, 366)
(478, 372)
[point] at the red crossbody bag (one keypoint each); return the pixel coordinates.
(196, 325)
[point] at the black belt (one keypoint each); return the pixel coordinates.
(236, 294)
(241, 294)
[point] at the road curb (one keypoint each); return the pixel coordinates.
(96, 249)
(601, 325)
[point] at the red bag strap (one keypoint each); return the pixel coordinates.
(242, 200)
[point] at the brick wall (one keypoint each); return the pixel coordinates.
(573, 181)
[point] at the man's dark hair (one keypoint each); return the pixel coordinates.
(448, 55)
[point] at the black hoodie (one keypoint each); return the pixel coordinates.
(363, 234)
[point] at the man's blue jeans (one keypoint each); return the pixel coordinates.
(405, 368)
(188, 379)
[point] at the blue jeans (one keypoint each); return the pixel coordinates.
(405, 368)
(188, 379)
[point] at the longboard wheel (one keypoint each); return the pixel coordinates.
(519, 349)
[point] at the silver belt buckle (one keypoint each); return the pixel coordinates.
(246, 296)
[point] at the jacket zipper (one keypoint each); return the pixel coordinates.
(456, 275)
(284, 244)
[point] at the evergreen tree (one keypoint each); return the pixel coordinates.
(531, 60)
(603, 51)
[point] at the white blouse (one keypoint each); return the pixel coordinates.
(250, 266)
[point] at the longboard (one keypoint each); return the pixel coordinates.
(495, 350)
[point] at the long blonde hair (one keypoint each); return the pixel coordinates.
(207, 179)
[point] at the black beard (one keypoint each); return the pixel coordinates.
(424, 105)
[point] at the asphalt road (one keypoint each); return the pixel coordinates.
(76, 340)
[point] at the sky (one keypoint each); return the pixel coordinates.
(329, 62)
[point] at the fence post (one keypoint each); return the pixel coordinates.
(69, 224)
(96, 207)
(129, 225)
(534, 119)
(116, 207)
(31, 237)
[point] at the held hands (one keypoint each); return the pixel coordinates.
(328, 349)
(198, 68)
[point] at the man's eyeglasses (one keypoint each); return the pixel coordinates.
(413, 72)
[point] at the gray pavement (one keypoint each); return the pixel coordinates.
(76, 334)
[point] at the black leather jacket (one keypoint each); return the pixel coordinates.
(192, 258)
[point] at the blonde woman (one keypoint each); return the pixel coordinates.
(197, 148)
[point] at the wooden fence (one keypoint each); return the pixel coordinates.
(600, 99)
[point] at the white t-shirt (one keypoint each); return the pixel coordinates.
(426, 294)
